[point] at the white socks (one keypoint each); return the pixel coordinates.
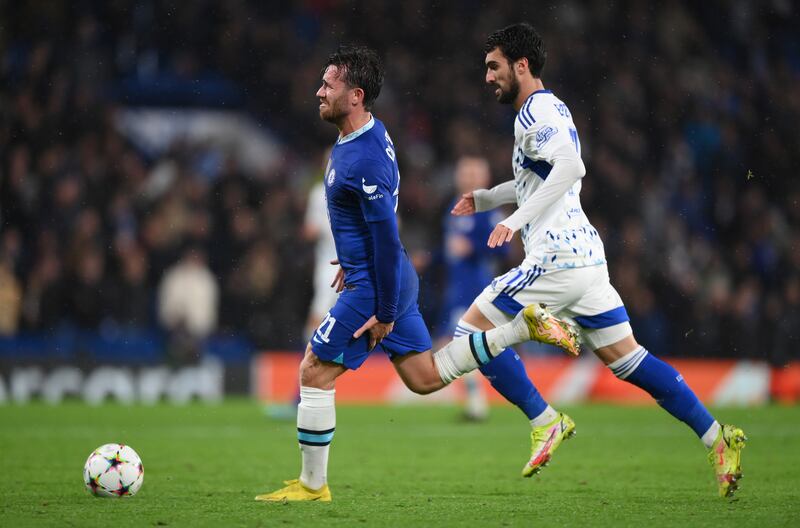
(512, 333)
(470, 351)
(710, 435)
(316, 422)
(624, 366)
(546, 416)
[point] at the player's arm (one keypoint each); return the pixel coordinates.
(388, 254)
(379, 212)
(486, 199)
(558, 150)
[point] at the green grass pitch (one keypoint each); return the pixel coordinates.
(403, 466)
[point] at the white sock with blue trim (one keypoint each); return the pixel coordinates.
(476, 405)
(316, 422)
(469, 352)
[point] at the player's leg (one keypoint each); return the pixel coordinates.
(549, 428)
(631, 362)
(316, 423)
(476, 407)
(608, 333)
(324, 298)
(486, 348)
(426, 372)
(507, 374)
(329, 354)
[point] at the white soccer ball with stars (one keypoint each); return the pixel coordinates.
(113, 470)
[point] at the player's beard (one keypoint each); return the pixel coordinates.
(510, 95)
(334, 111)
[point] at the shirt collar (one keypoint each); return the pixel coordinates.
(352, 135)
(536, 92)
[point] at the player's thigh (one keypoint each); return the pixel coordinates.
(333, 340)
(476, 317)
(617, 350)
(410, 334)
(508, 294)
(319, 374)
(601, 317)
(418, 371)
(409, 347)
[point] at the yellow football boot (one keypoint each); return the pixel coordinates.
(545, 440)
(547, 328)
(726, 458)
(296, 491)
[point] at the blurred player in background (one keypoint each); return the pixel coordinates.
(565, 260)
(378, 284)
(317, 231)
(469, 266)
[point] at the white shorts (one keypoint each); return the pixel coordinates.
(584, 296)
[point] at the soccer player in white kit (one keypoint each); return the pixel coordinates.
(565, 265)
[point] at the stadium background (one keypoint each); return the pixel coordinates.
(148, 138)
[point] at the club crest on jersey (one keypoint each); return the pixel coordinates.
(331, 177)
(369, 189)
(544, 134)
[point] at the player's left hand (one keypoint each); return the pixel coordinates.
(500, 236)
(338, 280)
(377, 331)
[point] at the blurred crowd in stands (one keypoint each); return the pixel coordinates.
(687, 113)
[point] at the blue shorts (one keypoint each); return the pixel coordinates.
(333, 340)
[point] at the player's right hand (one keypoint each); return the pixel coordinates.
(376, 330)
(338, 280)
(465, 206)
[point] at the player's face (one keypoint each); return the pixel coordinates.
(500, 76)
(471, 174)
(333, 96)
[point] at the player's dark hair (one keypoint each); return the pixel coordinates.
(359, 67)
(517, 41)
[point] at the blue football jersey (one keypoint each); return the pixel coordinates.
(362, 184)
(468, 275)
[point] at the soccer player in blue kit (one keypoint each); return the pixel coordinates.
(469, 266)
(378, 284)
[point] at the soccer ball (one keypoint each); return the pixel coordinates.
(113, 470)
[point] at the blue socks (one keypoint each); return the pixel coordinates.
(506, 373)
(666, 385)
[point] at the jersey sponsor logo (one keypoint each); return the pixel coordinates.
(331, 177)
(544, 134)
(369, 189)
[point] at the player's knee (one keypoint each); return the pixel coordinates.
(423, 387)
(312, 373)
(306, 373)
(424, 384)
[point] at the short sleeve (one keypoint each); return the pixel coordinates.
(373, 182)
(543, 139)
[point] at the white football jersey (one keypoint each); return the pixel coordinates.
(562, 236)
